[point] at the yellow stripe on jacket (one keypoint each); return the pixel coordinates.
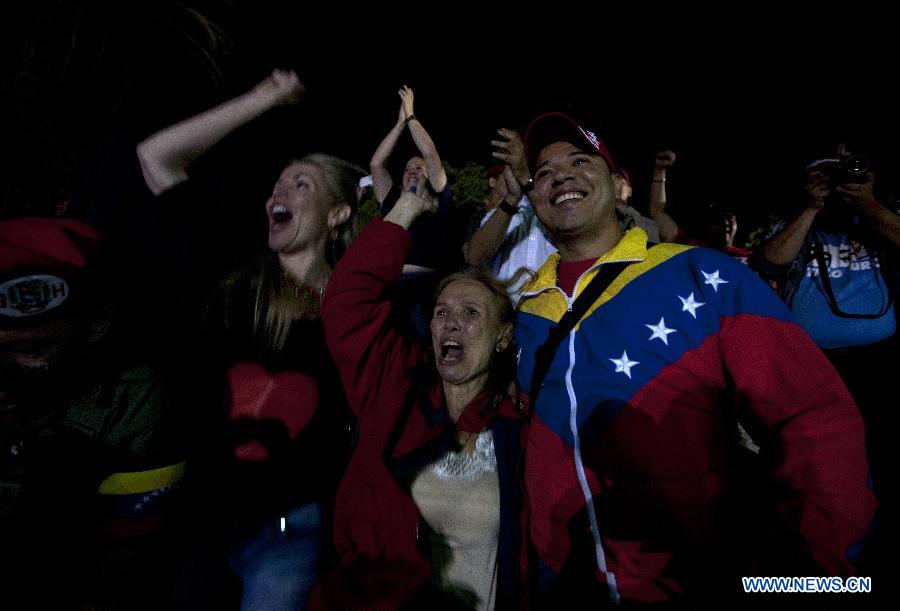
(549, 304)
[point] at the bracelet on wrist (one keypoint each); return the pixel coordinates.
(509, 208)
(659, 180)
(411, 118)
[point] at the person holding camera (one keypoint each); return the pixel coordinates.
(831, 264)
(845, 225)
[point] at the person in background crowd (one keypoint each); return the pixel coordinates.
(629, 216)
(713, 225)
(436, 239)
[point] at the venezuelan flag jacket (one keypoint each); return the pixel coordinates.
(631, 449)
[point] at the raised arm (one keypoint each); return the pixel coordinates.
(511, 151)
(381, 178)
(488, 238)
(784, 246)
(881, 223)
(369, 353)
(510, 187)
(166, 155)
(668, 228)
(436, 174)
(408, 208)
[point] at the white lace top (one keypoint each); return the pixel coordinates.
(468, 466)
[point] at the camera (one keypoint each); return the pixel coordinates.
(852, 169)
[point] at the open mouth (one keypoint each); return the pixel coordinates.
(572, 195)
(451, 352)
(280, 214)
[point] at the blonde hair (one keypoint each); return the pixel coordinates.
(506, 312)
(275, 299)
(342, 181)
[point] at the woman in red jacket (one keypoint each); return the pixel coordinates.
(432, 487)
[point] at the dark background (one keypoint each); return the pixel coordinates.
(745, 98)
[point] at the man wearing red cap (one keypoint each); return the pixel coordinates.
(511, 239)
(88, 452)
(631, 453)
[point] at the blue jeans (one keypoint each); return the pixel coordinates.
(278, 566)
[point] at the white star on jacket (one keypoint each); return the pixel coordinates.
(713, 279)
(660, 331)
(689, 305)
(624, 365)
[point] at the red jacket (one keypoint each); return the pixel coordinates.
(394, 390)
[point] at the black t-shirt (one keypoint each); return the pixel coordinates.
(436, 238)
(312, 464)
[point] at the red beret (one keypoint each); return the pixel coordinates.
(47, 265)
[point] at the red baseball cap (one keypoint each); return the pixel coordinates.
(553, 127)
